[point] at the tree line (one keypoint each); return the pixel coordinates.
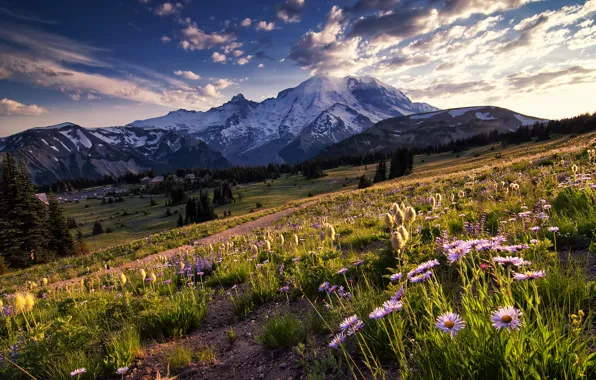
(30, 231)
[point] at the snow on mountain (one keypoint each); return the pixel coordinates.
(68, 150)
(428, 129)
(250, 133)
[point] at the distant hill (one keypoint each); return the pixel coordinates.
(429, 129)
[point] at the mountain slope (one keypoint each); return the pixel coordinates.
(296, 124)
(67, 151)
(431, 128)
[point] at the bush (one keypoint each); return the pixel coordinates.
(364, 182)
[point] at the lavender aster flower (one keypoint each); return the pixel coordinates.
(532, 275)
(378, 313)
(506, 317)
(450, 323)
(398, 295)
(337, 340)
(349, 322)
(395, 277)
(421, 277)
(392, 305)
(553, 229)
(122, 370)
(355, 328)
(78, 372)
(342, 271)
(324, 286)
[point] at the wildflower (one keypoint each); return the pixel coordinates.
(389, 220)
(78, 372)
(342, 271)
(44, 281)
(324, 286)
(398, 295)
(399, 218)
(330, 232)
(392, 305)
(422, 277)
(122, 370)
(535, 229)
(410, 215)
(358, 263)
(337, 340)
(450, 323)
(397, 241)
(143, 274)
(404, 233)
(395, 277)
(29, 301)
(349, 322)
(282, 240)
(152, 277)
(454, 254)
(395, 208)
(267, 246)
(254, 250)
(295, 237)
(532, 275)
(122, 279)
(378, 313)
(355, 328)
(284, 289)
(167, 282)
(574, 169)
(510, 260)
(19, 303)
(506, 317)
(553, 229)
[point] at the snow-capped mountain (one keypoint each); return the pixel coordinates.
(430, 128)
(296, 124)
(67, 150)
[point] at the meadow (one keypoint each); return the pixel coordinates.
(135, 217)
(477, 265)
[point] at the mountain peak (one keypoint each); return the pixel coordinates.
(238, 98)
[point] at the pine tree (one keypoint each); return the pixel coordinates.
(402, 162)
(59, 239)
(381, 174)
(97, 228)
(22, 236)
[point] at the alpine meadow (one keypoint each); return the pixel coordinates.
(298, 189)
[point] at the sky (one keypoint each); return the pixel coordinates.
(105, 63)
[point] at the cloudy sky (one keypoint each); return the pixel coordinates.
(102, 63)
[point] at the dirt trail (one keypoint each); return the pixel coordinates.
(240, 229)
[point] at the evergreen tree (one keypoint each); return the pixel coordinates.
(381, 174)
(22, 236)
(97, 228)
(402, 162)
(59, 239)
(364, 182)
(180, 220)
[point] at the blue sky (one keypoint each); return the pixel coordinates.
(102, 63)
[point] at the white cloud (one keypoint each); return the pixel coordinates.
(187, 74)
(194, 38)
(76, 96)
(218, 57)
(167, 9)
(290, 11)
(165, 39)
(13, 108)
(246, 22)
(222, 83)
(260, 66)
(237, 53)
(90, 96)
(244, 60)
(266, 26)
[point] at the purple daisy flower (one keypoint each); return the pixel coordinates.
(349, 322)
(553, 229)
(421, 277)
(450, 323)
(392, 305)
(531, 275)
(342, 271)
(395, 277)
(398, 294)
(506, 317)
(378, 313)
(77, 372)
(324, 286)
(355, 328)
(337, 340)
